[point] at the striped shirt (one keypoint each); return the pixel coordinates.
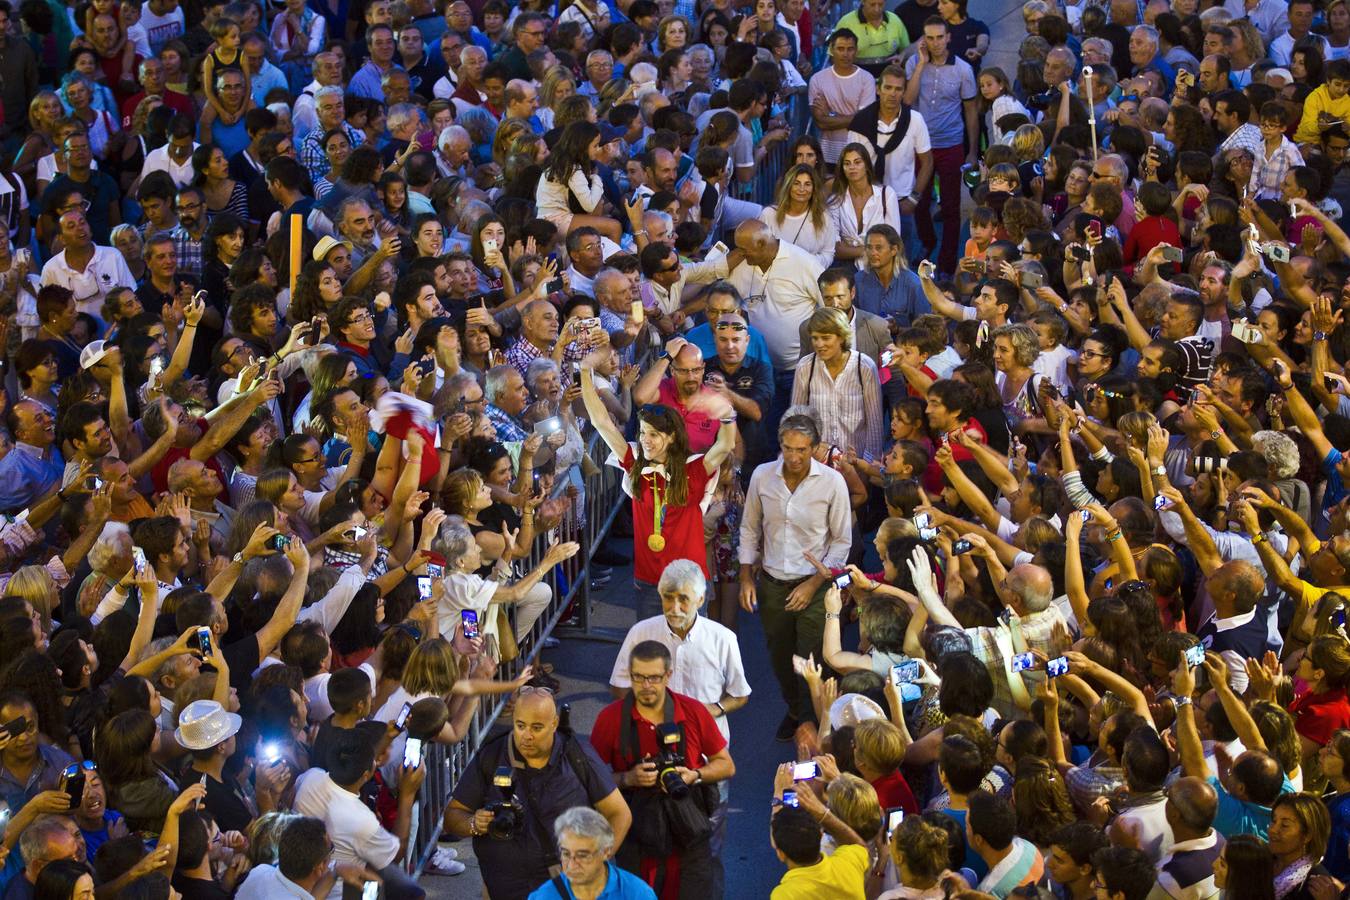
(849, 406)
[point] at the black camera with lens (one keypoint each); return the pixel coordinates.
(670, 737)
(1041, 101)
(508, 816)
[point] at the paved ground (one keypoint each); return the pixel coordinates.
(584, 666)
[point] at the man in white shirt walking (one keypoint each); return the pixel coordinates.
(705, 661)
(794, 507)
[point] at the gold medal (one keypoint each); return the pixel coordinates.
(656, 543)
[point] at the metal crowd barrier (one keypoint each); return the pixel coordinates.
(603, 495)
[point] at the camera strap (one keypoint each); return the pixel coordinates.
(630, 745)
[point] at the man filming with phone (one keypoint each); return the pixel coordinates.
(667, 752)
(518, 785)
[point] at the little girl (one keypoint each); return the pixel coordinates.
(997, 100)
(224, 56)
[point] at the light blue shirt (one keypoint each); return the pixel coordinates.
(1236, 816)
(941, 92)
(621, 885)
(366, 82)
(25, 475)
(264, 81)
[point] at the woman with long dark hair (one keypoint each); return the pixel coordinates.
(317, 290)
(666, 484)
(570, 193)
(1245, 869)
(211, 174)
(858, 200)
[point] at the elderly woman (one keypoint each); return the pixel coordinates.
(128, 242)
(841, 385)
(466, 592)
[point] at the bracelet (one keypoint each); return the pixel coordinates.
(1114, 536)
(720, 708)
(1182, 701)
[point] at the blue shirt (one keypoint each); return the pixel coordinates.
(902, 299)
(95, 839)
(25, 476)
(702, 337)
(1337, 860)
(1236, 816)
(1335, 486)
(941, 92)
(229, 138)
(265, 80)
(621, 885)
(366, 82)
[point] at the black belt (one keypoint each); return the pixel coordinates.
(791, 582)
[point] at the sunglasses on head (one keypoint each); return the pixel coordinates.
(730, 326)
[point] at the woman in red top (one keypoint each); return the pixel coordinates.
(1323, 709)
(668, 486)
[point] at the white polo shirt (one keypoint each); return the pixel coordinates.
(900, 162)
(705, 664)
(106, 270)
(355, 832)
(159, 160)
(779, 299)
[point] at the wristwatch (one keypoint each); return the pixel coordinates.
(1159, 470)
(1319, 335)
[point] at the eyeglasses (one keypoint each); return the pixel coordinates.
(360, 318)
(651, 680)
(535, 689)
(83, 205)
(581, 856)
(692, 370)
(533, 33)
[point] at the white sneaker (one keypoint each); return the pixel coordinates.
(443, 862)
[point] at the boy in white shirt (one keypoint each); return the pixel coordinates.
(1055, 358)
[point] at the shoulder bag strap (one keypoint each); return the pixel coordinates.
(561, 887)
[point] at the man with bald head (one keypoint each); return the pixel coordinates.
(1188, 870)
(552, 772)
(1214, 71)
(778, 284)
(1237, 631)
(1027, 591)
(538, 336)
(676, 380)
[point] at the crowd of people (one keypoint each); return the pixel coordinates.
(319, 320)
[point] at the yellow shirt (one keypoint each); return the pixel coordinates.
(1319, 101)
(876, 42)
(839, 876)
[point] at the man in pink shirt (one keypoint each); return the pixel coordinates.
(676, 380)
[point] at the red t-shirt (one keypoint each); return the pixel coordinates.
(683, 526)
(159, 475)
(1148, 233)
(933, 480)
(892, 791)
(1318, 716)
(701, 741)
(701, 427)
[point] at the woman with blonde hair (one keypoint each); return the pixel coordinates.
(1016, 347)
(558, 85)
(798, 215)
(510, 129)
(44, 111)
(36, 585)
(857, 201)
(840, 384)
(855, 802)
